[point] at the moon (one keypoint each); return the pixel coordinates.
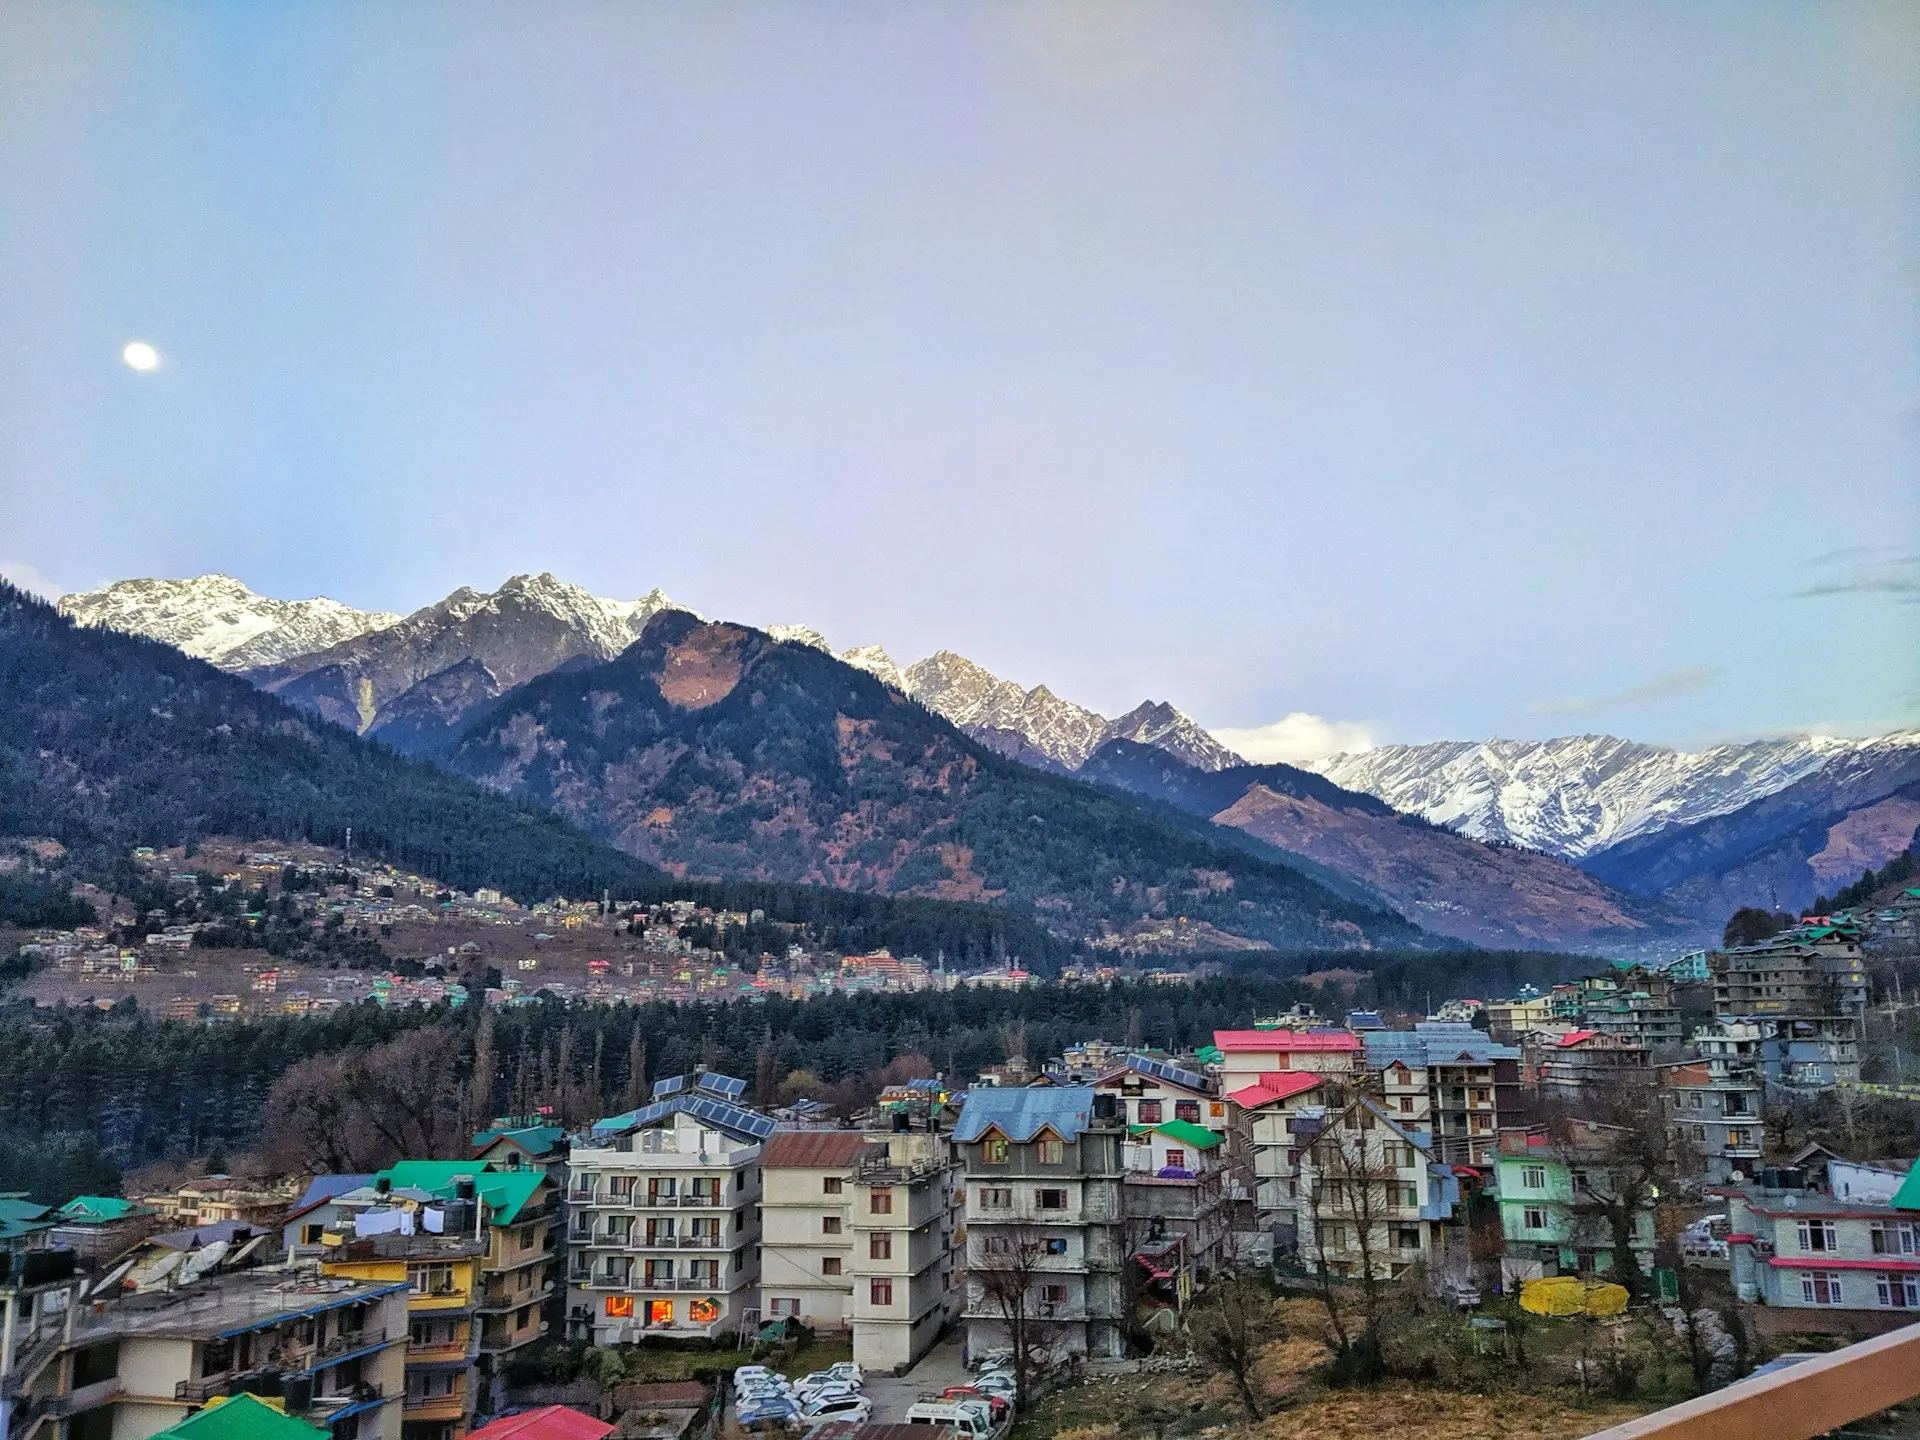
(139, 355)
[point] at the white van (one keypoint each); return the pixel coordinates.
(969, 1418)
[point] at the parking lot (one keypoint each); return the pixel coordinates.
(938, 1368)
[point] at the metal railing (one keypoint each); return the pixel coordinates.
(1811, 1397)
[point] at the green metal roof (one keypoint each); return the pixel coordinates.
(1187, 1133)
(503, 1192)
(1907, 1197)
(101, 1209)
(242, 1418)
(534, 1139)
(20, 1216)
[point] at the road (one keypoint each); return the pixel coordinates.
(938, 1368)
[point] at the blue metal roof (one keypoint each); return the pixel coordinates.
(325, 1187)
(1433, 1042)
(1020, 1114)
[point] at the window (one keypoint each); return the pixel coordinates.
(431, 1279)
(1149, 1112)
(995, 1197)
(830, 1185)
(1821, 1287)
(1216, 1109)
(659, 1312)
(702, 1312)
(526, 1238)
(1053, 1294)
(620, 1307)
(1533, 1177)
(993, 1152)
(310, 1234)
(1187, 1110)
(1736, 1139)
(1895, 1237)
(783, 1305)
(1899, 1292)
(997, 1245)
(1408, 1196)
(1051, 1199)
(830, 1265)
(1533, 1218)
(880, 1292)
(1056, 1246)
(1816, 1237)
(880, 1245)
(1051, 1152)
(880, 1202)
(1405, 1102)
(829, 1224)
(1406, 1237)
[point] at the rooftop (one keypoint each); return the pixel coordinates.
(230, 1304)
(1276, 1085)
(814, 1150)
(1020, 1114)
(243, 1417)
(1232, 1042)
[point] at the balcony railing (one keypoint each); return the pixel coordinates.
(643, 1200)
(1814, 1396)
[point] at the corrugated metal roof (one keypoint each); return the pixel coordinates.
(1020, 1114)
(813, 1149)
(550, 1422)
(1275, 1085)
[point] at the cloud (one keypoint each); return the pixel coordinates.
(1296, 739)
(1870, 570)
(30, 579)
(1661, 687)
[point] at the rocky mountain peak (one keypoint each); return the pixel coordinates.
(218, 618)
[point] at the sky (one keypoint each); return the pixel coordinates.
(1339, 373)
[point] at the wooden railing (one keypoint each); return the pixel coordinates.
(1797, 1402)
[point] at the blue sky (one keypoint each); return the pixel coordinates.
(1440, 371)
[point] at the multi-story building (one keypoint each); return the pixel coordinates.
(214, 1198)
(130, 1365)
(1246, 1055)
(1449, 1080)
(806, 1226)
(1649, 1019)
(1509, 1020)
(1277, 1116)
(440, 1275)
(1716, 1103)
(99, 1227)
(1175, 1191)
(1372, 1195)
(1840, 1266)
(1808, 987)
(664, 1209)
(1045, 1219)
(1553, 1197)
(909, 1231)
(1579, 1065)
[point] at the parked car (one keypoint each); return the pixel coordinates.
(856, 1408)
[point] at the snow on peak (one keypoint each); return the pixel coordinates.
(800, 635)
(217, 618)
(876, 662)
(1158, 724)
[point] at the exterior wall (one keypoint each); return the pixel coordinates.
(799, 1207)
(1565, 1241)
(1398, 1205)
(624, 1280)
(1779, 1262)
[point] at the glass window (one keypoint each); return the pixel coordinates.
(1533, 1177)
(829, 1224)
(995, 1197)
(1150, 1112)
(1186, 1110)
(830, 1265)
(880, 1202)
(880, 1292)
(702, 1312)
(993, 1151)
(1900, 1292)
(1816, 1236)
(1820, 1287)
(1051, 1152)
(1053, 1294)
(620, 1307)
(1051, 1199)
(880, 1245)
(659, 1312)
(783, 1305)
(1533, 1218)
(830, 1185)
(1176, 1158)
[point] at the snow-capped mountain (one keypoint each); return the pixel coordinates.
(974, 698)
(1156, 723)
(216, 618)
(1579, 795)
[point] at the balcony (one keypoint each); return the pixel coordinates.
(435, 1407)
(499, 1298)
(438, 1352)
(512, 1339)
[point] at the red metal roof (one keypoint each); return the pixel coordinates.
(1254, 1041)
(1574, 1037)
(551, 1422)
(812, 1149)
(1887, 1263)
(1275, 1085)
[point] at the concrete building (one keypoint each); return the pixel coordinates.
(909, 1229)
(1579, 1065)
(1371, 1194)
(1277, 1116)
(99, 1227)
(1175, 1192)
(1549, 1220)
(1246, 1055)
(1716, 1103)
(1838, 1266)
(125, 1366)
(1808, 987)
(806, 1226)
(1449, 1080)
(665, 1216)
(1045, 1219)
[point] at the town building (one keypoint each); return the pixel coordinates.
(806, 1226)
(909, 1232)
(1371, 1195)
(24, 1225)
(1450, 1080)
(191, 1331)
(1276, 1117)
(214, 1198)
(1175, 1203)
(664, 1209)
(1580, 1065)
(99, 1227)
(1554, 1196)
(1808, 987)
(1716, 1103)
(1821, 1263)
(1246, 1055)
(1045, 1219)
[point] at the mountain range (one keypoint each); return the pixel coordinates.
(1660, 833)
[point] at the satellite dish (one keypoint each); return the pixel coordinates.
(151, 1275)
(202, 1260)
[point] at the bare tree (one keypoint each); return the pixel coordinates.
(1352, 1176)
(1231, 1326)
(368, 1108)
(1620, 1168)
(1008, 1263)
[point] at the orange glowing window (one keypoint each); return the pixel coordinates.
(620, 1307)
(659, 1312)
(703, 1312)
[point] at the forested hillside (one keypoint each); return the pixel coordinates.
(713, 750)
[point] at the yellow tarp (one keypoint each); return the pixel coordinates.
(1570, 1295)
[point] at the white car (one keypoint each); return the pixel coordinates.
(812, 1402)
(825, 1380)
(996, 1382)
(856, 1408)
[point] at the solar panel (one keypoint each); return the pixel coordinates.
(1161, 1070)
(725, 1085)
(672, 1085)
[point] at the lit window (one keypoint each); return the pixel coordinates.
(620, 1307)
(659, 1312)
(993, 1152)
(703, 1312)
